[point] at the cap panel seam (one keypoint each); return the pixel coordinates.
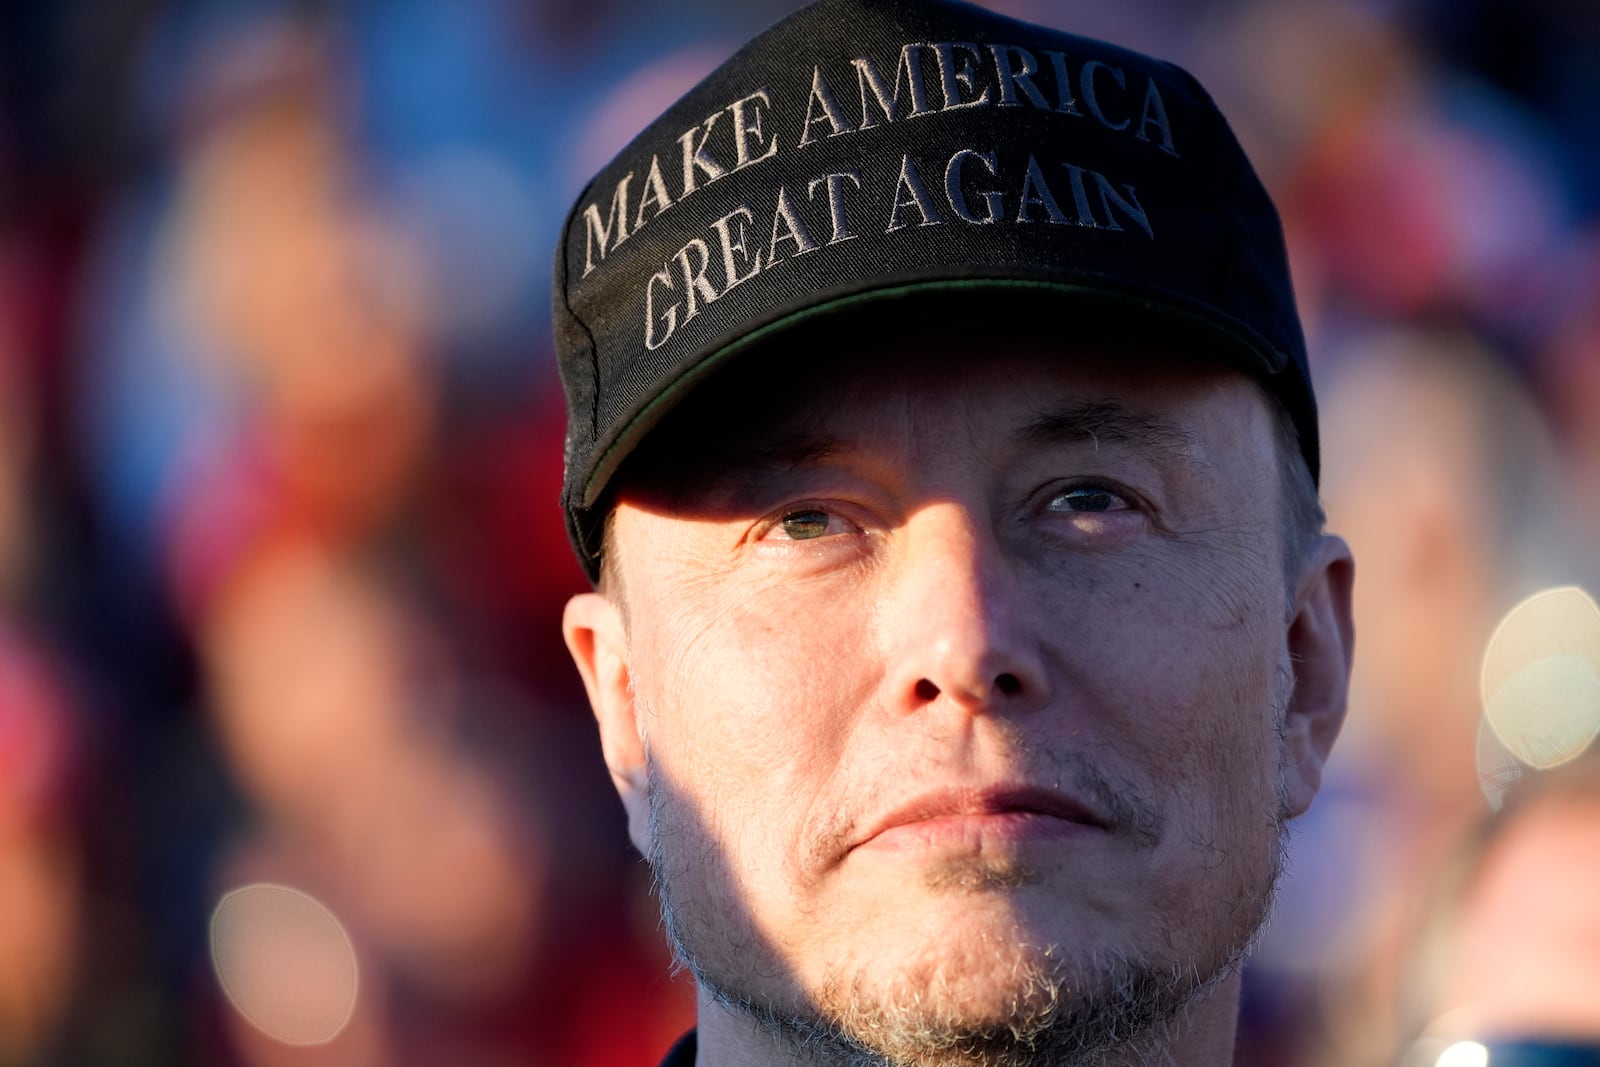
(566, 302)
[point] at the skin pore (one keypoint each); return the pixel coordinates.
(956, 702)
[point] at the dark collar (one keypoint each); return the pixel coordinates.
(682, 1054)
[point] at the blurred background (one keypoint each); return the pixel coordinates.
(293, 768)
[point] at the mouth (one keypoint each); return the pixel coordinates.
(976, 817)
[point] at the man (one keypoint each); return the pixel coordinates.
(942, 446)
(1504, 961)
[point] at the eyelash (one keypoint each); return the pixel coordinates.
(776, 521)
(1124, 498)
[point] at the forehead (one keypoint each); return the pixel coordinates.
(931, 383)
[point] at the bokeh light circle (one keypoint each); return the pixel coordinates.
(1541, 679)
(1464, 1054)
(285, 963)
(1549, 711)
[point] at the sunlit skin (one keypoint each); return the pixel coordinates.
(990, 666)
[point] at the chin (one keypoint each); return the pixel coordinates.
(996, 977)
(979, 960)
(977, 998)
(984, 915)
(966, 985)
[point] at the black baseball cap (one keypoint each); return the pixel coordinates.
(864, 151)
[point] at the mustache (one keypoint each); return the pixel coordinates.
(1128, 809)
(1119, 804)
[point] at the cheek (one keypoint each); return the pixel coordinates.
(1183, 667)
(1185, 710)
(752, 699)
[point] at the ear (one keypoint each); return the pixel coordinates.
(1321, 641)
(598, 641)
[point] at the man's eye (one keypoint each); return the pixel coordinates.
(1086, 498)
(804, 524)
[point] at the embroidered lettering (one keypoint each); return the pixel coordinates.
(835, 184)
(1066, 104)
(1130, 205)
(655, 192)
(1036, 191)
(695, 158)
(787, 225)
(695, 283)
(910, 191)
(1155, 113)
(1092, 99)
(733, 231)
(956, 74)
(874, 87)
(822, 96)
(746, 126)
(608, 233)
(1014, 78)
(651, 341)
(958, 197)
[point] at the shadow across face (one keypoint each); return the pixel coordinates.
(1052, 1008)
(949, 683)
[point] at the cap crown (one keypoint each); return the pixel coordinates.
(865, 148)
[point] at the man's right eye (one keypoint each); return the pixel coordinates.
(804, 524)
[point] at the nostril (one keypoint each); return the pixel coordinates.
(1008, 684)
(926, 690)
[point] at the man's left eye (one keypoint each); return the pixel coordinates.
(1087, 498)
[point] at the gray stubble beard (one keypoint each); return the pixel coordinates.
(1111, 1008)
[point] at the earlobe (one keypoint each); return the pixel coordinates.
(1321, 643)
(597, 639)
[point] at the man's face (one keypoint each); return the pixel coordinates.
(965, 682)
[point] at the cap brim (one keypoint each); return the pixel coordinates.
(1228, 342)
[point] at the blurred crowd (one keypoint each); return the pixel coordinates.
(282, 567)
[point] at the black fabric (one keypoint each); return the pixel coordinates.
(683, 1053)
(863, 148)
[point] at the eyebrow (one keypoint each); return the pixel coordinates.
(1095, 421)
(788, 451)
(741, 463)
(769, 453)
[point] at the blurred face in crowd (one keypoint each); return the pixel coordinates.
(1527, 953)
(959, 692)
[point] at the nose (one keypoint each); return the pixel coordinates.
(956, 622)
